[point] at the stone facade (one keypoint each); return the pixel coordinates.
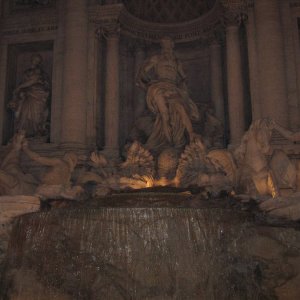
(108, 96)
(240, 58)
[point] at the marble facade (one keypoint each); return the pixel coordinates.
(97, 46)
(240, 59)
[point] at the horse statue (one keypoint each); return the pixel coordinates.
(249, 165)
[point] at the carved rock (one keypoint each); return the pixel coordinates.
(284, 207)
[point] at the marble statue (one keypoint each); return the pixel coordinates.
(30, 100)
(256, 176)
(168, 99)
(13, 181)
(248, 166)
(253, 167)
(56, 182)
(287, 172)
(291, 136)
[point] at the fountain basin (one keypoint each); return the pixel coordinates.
(180, 248)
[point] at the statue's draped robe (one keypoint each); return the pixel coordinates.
(177, 99)
(32, 111)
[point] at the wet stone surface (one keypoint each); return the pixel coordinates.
(152, 246)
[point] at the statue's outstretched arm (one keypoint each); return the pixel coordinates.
(142, 78)
(292, 136)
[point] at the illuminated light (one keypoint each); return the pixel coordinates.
(163, 181)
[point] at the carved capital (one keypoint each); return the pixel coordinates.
(216, 37)
(109, 30)
(235, 11)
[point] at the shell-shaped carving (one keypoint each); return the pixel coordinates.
(139, 161)
(193, 162)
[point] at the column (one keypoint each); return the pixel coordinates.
(73, 129)
(235, 84)
(3, 70)
(92, 87)
(217, 80)
(139, 94)
(273, 90)
(57, 77)
(253, 66)
(112, 97)
(291, 63)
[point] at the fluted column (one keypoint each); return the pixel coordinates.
(235, 84)
(273, 90)
(253, 66)
(75, 73)
(112, 97)
(217, 80)
(139, 94)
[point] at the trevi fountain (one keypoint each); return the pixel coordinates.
(150, 149)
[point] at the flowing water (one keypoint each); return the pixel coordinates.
(167, 250)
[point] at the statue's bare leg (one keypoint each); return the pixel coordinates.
(185, 120)
(164, 112)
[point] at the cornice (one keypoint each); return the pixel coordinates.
(101, 14)
(199, 29)
(25, 23)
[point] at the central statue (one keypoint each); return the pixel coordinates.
(163, 77)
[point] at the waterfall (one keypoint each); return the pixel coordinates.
(144, 253)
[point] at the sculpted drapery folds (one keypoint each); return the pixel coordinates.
(30, 99)
(168, 99)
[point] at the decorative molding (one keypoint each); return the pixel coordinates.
(180, 32)
(36, 22)
(168, 11)
(34, 29)
(105, 14)
(19, 6)
(110, 30)
(235, 11)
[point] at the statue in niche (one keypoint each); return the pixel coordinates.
(56, 182)
(13, 181)
(167, 97)
(30, 100)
